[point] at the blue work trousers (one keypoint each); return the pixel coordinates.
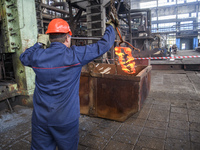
(48, 137)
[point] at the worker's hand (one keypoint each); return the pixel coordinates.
(43, 38)
(114, 23)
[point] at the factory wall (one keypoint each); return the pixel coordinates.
(178, 17)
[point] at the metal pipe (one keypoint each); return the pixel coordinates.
(10, 107)
(139, 10)
(54, 8)
(63, 4)
(47, 16)
(85, 38)
(46, 21)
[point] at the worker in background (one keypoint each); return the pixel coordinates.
(55, 118)
(170, 51)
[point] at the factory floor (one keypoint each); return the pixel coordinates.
(168, 120)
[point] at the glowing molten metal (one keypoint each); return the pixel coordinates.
(126, 59)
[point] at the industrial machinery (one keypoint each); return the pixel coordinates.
(125, 93)
(141, 22)
(159, 46)
(18, 32)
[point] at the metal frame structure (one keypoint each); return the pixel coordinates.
(19, 31)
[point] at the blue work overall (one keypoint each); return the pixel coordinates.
(56, 97)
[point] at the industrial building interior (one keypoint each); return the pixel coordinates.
(155, 108)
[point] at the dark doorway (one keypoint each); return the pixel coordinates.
(186, 43)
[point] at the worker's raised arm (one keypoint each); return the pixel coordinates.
(42, 40)
(87, 53)
(25, 57)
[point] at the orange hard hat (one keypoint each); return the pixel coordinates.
(58, 25)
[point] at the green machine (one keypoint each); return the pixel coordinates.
(18, 32)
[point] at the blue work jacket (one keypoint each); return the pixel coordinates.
(58, 70)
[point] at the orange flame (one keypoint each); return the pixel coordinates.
(126, 60)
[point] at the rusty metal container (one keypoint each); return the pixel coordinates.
(107, 92)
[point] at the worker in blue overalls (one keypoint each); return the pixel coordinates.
(55, 119)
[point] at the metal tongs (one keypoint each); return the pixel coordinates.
(117, 29)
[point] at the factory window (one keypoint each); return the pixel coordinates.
(172, 34)
(186, 25)
(154, 19)
(166, 27)
(181, 16)
(135, 5)
(171, 41)
(193, 15)
(171, 38)
(199, 17)
(166, 2)
(180, 1)
(199, 21)
(148, 4)
(166, 24)
(154, 28)
(167, 17)
(188, 1)
(188, 15)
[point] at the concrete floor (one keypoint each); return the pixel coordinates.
(168, 120)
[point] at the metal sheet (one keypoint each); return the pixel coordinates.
(116, 99)
(84, 95)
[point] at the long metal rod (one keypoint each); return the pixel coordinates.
(85, 38)
(54, 8)
(10, 107)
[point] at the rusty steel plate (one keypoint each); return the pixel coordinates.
(108, 92)
(8, 90)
